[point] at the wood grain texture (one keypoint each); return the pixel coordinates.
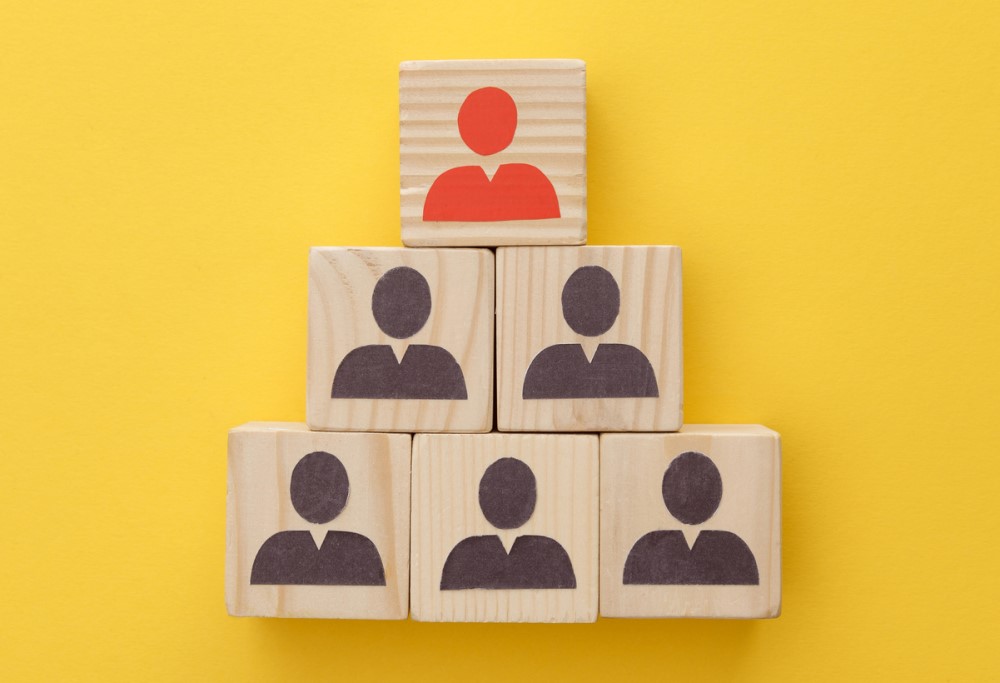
(748, 458)
(530, 283)
(258, 505)
(551, 135)
(446, 476)
(341, 283)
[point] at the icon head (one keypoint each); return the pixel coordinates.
(401, 302)
(319, 487)
(507, 493)
(487, 120)
(692, 488)
(591, 300)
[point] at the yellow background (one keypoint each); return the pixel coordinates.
(830, 169)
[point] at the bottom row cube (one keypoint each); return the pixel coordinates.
(503, 527)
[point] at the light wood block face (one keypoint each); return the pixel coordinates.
(589, 339)
(400, 340)
(691, 523)
(317, 523)
(484, 548)
(493, 152)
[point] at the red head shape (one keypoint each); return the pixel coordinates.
(487, 120)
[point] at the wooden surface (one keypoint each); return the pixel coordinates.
(258, 505)
(341, 282)
(551, 135)
(530, 282)
(446, 474)
(748, 458)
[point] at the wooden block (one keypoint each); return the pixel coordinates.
(504, 527)
(493, 152)
(317, 523)
(589, 339)
(400, 340)
(691, 523)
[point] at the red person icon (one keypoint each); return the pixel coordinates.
(487, 120)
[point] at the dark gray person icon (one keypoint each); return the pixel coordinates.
(401, 305)
(590, 305)
(507, 494)
(692, 491)
(319, 491)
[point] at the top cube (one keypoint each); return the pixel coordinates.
(493, 152)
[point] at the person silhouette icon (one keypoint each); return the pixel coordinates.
(507, 495)
(590, 305)
(692, 491)
(401, 305)
(319, 491)
(487, 121)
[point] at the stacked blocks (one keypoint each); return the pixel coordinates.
(555, 485)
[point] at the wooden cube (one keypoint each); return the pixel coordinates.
(691, 523)
(317, 523)
(589, 339)
(493, 152)
(504, 528)
(400, 340)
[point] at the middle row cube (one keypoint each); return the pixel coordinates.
(587, 339)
